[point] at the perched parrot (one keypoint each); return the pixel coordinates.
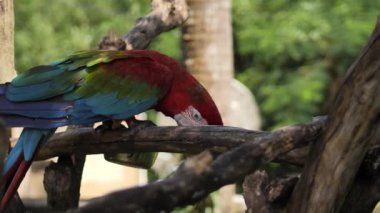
(94, 86)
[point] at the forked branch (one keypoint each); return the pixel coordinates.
(205, 173)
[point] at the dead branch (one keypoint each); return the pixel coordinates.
(165, 15)
(264, 195)
(352, 128)
(253, 192)
(62, 180)
(200, 175)
(188, 140)
(191, 140)
(365, 192)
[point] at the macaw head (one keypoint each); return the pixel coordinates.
(189, 103)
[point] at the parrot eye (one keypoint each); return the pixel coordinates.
(190, 117)
(194, 114)
(197, 115)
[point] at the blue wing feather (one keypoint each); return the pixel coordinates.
(23, 121)
(31, 94)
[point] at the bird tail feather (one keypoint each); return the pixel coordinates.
(20, 159)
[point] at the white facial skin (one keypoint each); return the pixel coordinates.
(190, 117)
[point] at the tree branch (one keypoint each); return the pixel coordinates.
(264, 195)
(352, 128)
(200, 175)
(165, 15)
(253, 192)
(188, 140)
(365, 192)
(191, 140)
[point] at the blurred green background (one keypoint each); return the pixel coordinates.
(292, 54)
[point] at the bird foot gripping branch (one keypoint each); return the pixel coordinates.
(142, 160)
(109, 126)
(95, 86)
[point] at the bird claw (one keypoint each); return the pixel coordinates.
(143, 160)
(109, 126)
(139, 124)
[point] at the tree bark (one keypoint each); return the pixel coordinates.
(365, 192)
(208, 55)
(202, 174)
(62, 182)
(352, 128)
(6, 41)
(264, 195)
(261, 194)
(190, 140)
(165, 15)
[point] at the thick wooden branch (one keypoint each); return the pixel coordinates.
(191, 140)
(264, 195)
(62, 182)
(165, 15)
(365, 192)
(253, 192)
(200, 175)
(188, 140)
(352, 128)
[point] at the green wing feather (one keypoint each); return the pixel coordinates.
(106, 82)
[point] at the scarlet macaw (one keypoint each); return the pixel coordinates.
(94, 86)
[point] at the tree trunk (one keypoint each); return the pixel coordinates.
(7, 72)
(208, 55)
(6, 54)
(6, 41)
(7, 68)
(353, 126)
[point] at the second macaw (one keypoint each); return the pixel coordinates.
(95, 86)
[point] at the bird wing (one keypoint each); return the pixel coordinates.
(96, 84)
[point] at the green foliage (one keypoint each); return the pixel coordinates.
(288, 52)
(47, 30)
